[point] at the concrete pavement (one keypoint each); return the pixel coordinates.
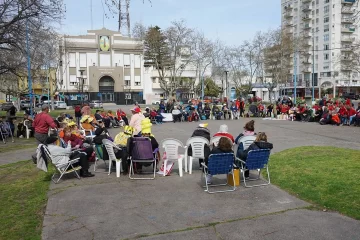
(106, 207)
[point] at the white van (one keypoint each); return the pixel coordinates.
(57, 104)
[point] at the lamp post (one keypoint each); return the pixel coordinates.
(81, 81)
(29, 67)
(227, 84)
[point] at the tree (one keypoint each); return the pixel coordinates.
(277, 64)
(15, 17)
(139, 31)
(210, 88)
(179, 39)
(156, 54)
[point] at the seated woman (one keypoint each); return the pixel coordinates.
(226, 111)
(61, 155)
(176, 114)
(201, 131)
(114, 121)
(121, 115)
(207, 111)
(224, 146)
(223, 132)
(86, 123)
(216, 112)
(259, 143)
(156, 116)
(249, 129)
(121, 141)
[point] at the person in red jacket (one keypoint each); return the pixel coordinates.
(343, 113)
(223, 132)
(42, 122)
(352, 114)
(284, 109)
(122, 116)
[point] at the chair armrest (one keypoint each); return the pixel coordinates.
(70, 162)
(156, 150)
(203, 164)
(238, 159)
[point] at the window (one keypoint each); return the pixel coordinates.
(154, 80)
(326, 28)
(126, 60)
(317, 20)
(127, 82)
(317, 39)
(137, 83)
(316, 57)
(327, 1)
(326, 19)
(326, 37)
(317, 11)
(326, 9)
(326, 46)
(317, 2)
(326, 56)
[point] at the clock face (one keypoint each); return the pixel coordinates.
(104, 43)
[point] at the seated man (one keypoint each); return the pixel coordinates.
(234, 111)
(61, 155)
(216, 112)
(121, 141)
(226, 111)
(201, 131)
(207, 111)
(223, 132)
(176, 114)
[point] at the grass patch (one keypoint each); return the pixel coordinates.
(23, 198)
(325, 176)
(11, 148)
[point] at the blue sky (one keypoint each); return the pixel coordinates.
(231, 21)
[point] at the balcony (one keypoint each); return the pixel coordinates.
(306, 70)
(348, 10)
(348, 1)
(346, 58)
(347, 20)
(307, 27)
(306, 62)
(306, 17)
(346, 48)
(306, 8)
(288, 15)
(347, 39)
(348, 30)
(288, 7)
(306, 1)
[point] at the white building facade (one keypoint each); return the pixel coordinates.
(327, 29)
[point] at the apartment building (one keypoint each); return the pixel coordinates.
(327, 30)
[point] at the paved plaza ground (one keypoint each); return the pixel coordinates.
(106, 207)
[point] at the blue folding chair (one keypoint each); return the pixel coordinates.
(220, 163)
(256, 160)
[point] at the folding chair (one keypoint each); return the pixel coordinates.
(246, 141)
(171, 147)
(256, 160)
(5, 131)
(197, 145)
(142, 153)
(62, 168)
(27, 129)
(221, 163)
(99, 155)
(92, 134)
(109, 145)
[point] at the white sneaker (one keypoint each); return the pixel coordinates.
(208, 178)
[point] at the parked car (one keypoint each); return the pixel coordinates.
(350, 96)
(24, 104)
(96, 104)
(6, 106)
(57, 104)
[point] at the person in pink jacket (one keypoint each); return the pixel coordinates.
(135, 120)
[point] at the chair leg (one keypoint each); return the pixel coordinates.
(118, 168)
(186, 161)
(180, 167)
(154, 168)
(190, 165)
(165, 164)
(110, 163)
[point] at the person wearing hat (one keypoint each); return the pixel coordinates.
(86, 124)
(121, 140)
(61, 155)
(201, 131)
(135, 120)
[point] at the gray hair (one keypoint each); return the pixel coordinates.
(223, 128)
(44, 107)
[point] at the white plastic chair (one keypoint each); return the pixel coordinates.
(171, 147)
(215, 141)
(246, 141)
(92, 134)
(109, 145)
(197, 146)
(28, 131)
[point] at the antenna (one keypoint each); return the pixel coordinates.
(124, 17)
(102, 3)
(91, 15)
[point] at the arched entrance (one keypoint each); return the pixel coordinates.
(106, 89)
(327, 88)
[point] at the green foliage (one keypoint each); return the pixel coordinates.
(210, 88)
(325, 176)
(23, 199)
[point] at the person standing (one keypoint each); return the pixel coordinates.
(78, 114)
(42, 122)
(86, 110)
(135, 120)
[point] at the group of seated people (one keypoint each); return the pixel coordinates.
(325, 112)
(226, 142)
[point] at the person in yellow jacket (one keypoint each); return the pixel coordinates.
(121, 140)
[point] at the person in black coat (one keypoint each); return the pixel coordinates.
(259, 143)
(201, 131)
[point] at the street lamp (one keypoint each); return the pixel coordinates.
(227, 84)
(81, 81)
(29, 67)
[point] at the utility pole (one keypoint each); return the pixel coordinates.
(295, 75)
(29, 67)
(227, 85)
(81, 81)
